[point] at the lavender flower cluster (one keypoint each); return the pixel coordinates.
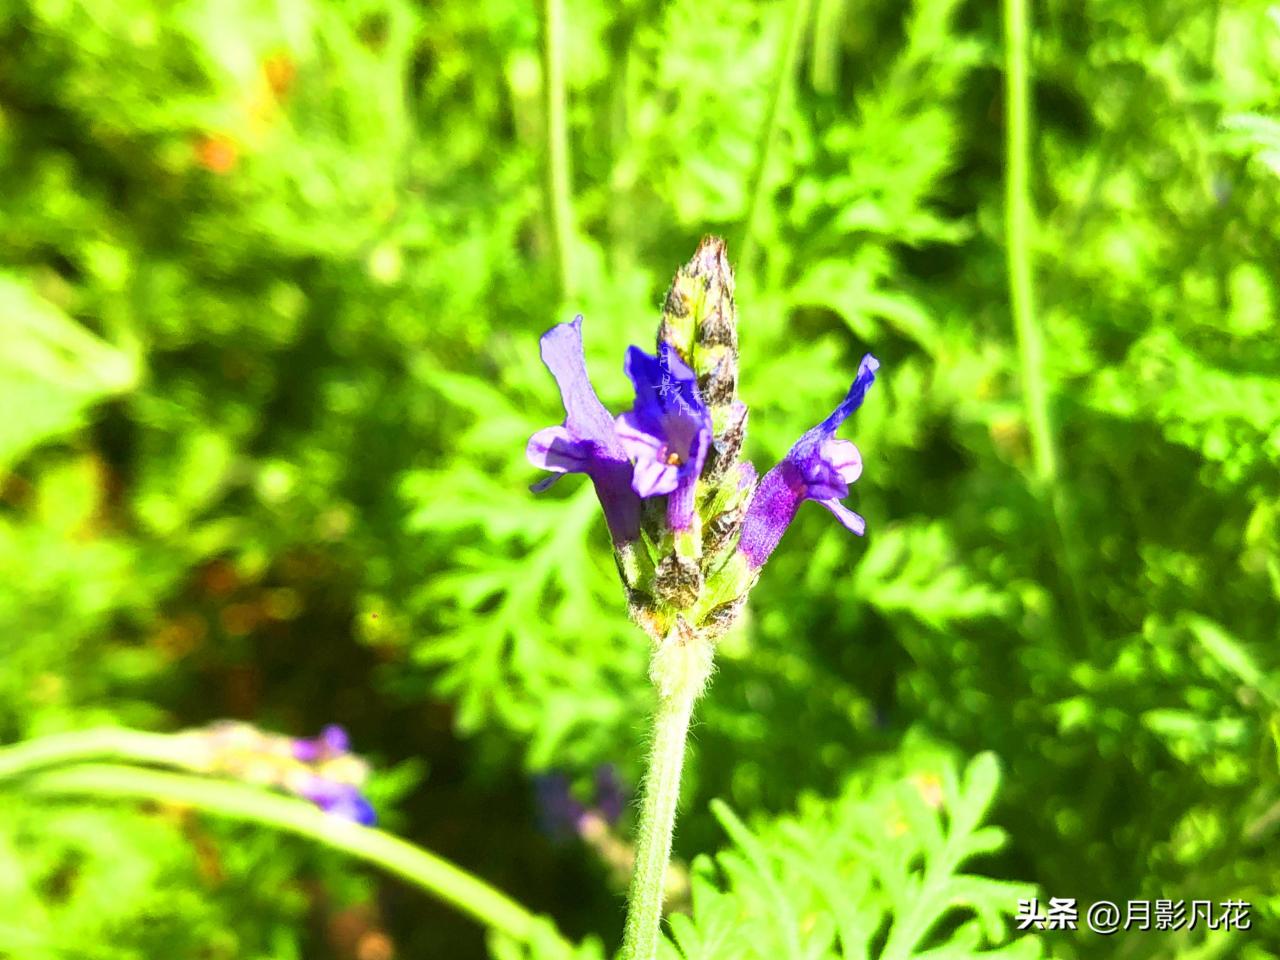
(692, 522)
(320, 769)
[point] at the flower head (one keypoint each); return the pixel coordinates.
(320, 769)
(585, 442)
(689, 563)
(819, 467)
(667, 432)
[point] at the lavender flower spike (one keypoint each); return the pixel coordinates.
(819, 467)
(668, 431)
(585, 442)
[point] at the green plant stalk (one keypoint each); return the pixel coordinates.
(105, 743)
(798, 19)
(1019, 241)
(681, 667)
(426, 871)
(559, 202)
(1019, 222)
(657, 825)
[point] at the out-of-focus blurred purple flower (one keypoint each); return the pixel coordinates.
(321, 769)
(610, 798)
(339, 799)
(668, 431)
(819, 467)
(332, 742)
(560, 814)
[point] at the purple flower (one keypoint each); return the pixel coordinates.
(667, 432)
(332, 742)
(819, 467)
(560, 815)
(339, 799)
(611, 800)
(585, 442)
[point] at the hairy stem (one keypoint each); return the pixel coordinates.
(238, 801)
(680, 670)
(559, 203)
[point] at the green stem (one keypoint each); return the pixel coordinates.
(1019, 252)
(559, 202)
(798, 18)
(657, 824)
(106, 743)
(680, 670)
(1020, 240)
(239, 801)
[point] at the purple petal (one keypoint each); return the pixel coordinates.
(645, 373)
(667, 432)
(612, 480)
(585, 416)
(555, 449)
(663, 381)
(335, 740)
(853, 399)
(680, 505)
(360, 810)
(818, 467)
(340, 800)
(772, 509)
(585, 442)
(652, 477)
(851, 520)
(844, 457)
(822, 480)
(332, 742)
(545, 483)
(638, 442)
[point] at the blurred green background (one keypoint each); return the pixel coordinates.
(272, 275)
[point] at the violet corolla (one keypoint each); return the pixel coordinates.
(586, 441)
(668, 431)
(819, 467)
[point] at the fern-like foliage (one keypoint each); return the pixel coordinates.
(878, 873)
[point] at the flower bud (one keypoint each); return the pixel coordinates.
(700, 321)
(678, 581)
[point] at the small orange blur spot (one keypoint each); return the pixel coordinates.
(375, 945)
(239, 619)
(280, 71)
(217, 153)
(219, 578)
